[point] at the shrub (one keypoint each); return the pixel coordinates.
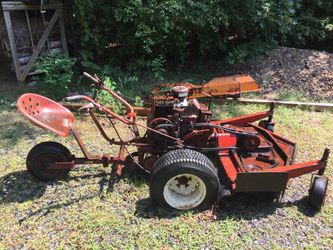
(313, 25)
(106, 99)
(152, 33)
(57, 74)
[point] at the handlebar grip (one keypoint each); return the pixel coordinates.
(91, 77)
(74, 98)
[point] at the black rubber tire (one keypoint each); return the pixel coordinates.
(47, 152)
(270, 128)
(264, 124)
(184, 161)
(317, 192)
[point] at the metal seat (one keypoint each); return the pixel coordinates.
(46, 113)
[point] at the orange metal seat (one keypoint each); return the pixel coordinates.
(46, 113)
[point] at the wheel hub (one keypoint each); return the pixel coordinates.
(183, 180)
(184, 191)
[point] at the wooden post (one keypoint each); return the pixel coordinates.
(20, 5)
(30, 33)
(12, 44)
(7, 6)
(63, 34)
(39, 46)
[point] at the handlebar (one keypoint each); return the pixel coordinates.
(101, 108)
(94, 79)
(131, 114)
(82, 97)
(74, 98)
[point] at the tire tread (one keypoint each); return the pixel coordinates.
(169, 161)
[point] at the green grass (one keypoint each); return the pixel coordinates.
(89, 210)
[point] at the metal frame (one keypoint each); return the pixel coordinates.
(277, 174)
(238, 177)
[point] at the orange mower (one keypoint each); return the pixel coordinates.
(193, 160)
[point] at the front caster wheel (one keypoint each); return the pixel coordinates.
(184, 179)
(267, 125)
(41, 155)
(317, 192)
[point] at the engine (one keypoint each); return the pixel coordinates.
(176, 106)
(174, 114)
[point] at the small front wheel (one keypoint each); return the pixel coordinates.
(317, 192)
(267, 125)
(184, 179)
(43, 154)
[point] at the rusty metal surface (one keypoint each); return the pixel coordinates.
(251, 158)
(230, 85)
(219, 86)
(272, 150)
(261, 182)
(140, 111)
(46, 113)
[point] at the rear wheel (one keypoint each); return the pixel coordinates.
(184, 179)
(45, 153)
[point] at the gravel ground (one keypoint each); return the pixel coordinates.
(288, 69)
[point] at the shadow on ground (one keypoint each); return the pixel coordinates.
(12, 132)
(240, 206)
(19, 187)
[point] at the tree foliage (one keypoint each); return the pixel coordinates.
(313, 24)
(177, 30)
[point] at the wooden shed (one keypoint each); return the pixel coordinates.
(29, 29)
